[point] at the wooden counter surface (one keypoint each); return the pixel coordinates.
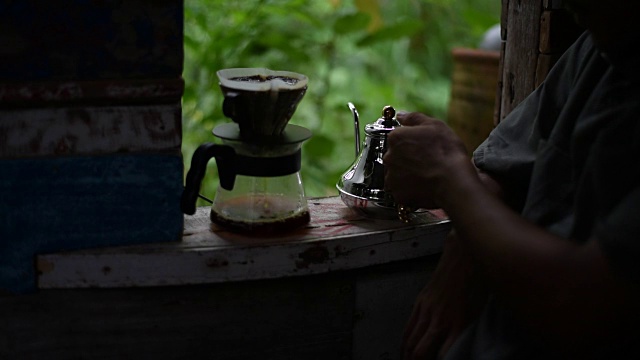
(335, 239)
(343, 287)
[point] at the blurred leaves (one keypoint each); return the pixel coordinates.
(371, 8)
(397, 31)
(370, 52)
(351, 23)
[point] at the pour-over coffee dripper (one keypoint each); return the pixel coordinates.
(261, 101)
(260, 188)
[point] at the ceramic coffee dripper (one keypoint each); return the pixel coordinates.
(263, 104)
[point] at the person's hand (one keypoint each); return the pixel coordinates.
(423, 158)
(447, 305)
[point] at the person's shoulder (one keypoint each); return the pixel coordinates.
(583, 44)
(581, 59)
(582, 49)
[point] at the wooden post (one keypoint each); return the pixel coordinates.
(534, 34)
(90, 128)
(558, 31)
(520, 53)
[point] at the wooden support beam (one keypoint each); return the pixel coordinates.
(552, 4)
(521, 53)
(535, 34)
(558, 31)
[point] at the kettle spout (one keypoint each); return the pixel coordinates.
(356, 121)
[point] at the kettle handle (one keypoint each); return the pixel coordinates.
(356, 120)
(226, 172)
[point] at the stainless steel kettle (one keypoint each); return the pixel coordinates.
(361, 187)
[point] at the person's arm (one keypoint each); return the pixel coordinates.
(565, 292)
(491, 184)
(452, 299)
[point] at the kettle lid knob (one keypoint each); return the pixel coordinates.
(384, 124)
(388, 112)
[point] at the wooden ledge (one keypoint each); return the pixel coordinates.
(335, 239)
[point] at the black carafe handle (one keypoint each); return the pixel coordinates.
(226, 172)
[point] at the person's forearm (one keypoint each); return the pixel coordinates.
(555, 285)
(490, 183)
(506, 246)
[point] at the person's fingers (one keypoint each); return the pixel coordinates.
(428, 348)
(446, 345)
(398, 189)
(412, 118)
(419, 326)
(391, 182)
(401, 113)
(413, 320)
(416, 313)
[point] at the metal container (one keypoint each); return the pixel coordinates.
(362, 185)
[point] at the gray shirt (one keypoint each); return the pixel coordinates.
(569, 153)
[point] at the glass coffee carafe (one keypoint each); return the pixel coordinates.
(259, 160)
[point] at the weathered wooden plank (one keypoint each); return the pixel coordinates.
(335, 239)
(355, 314)
(552, 4)
(90, 130)
(497, 109)
(95, 92)
(546, 32)
(378, 334)
(79, 39)
(536, 38)
(521, 53)
(56, 204)
(504, 19)
(297, 318)
(338, 314)
(558, 31)
(504, 25)
(545, 63)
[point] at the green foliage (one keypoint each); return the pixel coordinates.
(370, 52)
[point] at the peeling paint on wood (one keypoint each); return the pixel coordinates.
(209, 254)
(314, 255)
(121, 91)
(90, 130)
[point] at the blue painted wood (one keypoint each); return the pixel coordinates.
(68, 203)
